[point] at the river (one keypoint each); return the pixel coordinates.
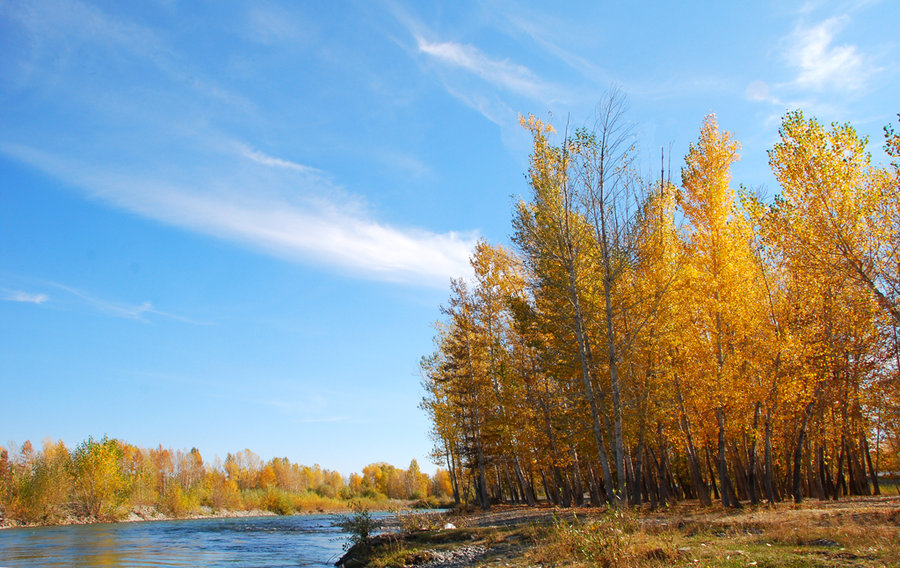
(301, 540)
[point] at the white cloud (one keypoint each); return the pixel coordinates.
(322, 232)
(26, 297)
(266, 160)
(500, 73)
(289, 214)
(822, 65)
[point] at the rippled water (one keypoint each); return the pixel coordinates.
(302, 540)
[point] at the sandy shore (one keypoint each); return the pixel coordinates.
(141, 514)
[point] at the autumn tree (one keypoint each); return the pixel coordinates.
(845, 213)
(100, 482)
(556, 238)
(724, 286)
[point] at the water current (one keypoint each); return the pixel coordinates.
(302, 540)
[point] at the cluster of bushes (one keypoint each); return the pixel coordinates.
(108, 478)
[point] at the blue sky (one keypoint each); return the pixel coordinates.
(230, 225)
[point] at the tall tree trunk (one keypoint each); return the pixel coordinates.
(526, 489)
(769, 481)
(711, 471)
(597, 498)
(820, 470)
(651, 482)
(752, 456)
(697, 483)
(728, 497)
(577, 485)
(839, 477)
(550, 491)
(865, 444)
(614, 376)
(662, 466)
(585, 357)
(741, 475)
(562, 485)
(454, 480)
(481, 487)
(638, 465)
(796, 485)
(513, 488)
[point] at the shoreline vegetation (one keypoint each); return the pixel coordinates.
(109, 480)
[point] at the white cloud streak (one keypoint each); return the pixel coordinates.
(24, 297)
(206, 182)
(126, 311)
(500, 73)
(266, 160)
(270, 214)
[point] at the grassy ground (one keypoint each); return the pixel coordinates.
(849, 533)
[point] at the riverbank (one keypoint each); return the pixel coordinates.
(140, 514)
(854, 532)
(150, 513)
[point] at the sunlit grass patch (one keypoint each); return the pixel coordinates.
(613, 540)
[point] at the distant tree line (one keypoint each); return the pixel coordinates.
(649, 342)
(107, 478)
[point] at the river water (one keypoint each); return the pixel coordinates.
(301, 540)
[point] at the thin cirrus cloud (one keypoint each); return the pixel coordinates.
(482, 82)
(116, 309)
(271, 161)
(280, 208)
(201, 181)
(501, 73)
(138, 312)
(24, 297)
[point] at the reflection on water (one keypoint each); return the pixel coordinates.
(303, 540)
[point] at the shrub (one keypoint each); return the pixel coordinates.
(278, 502)
(179, 503)
(359, 525)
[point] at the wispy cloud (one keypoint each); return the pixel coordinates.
(128, 311)
(293, 215)
(500, 73)
(52, 19)
(821, 64)
(176, 166)
(270, 24)
(547, 37)
(25, 297)
(266, 160)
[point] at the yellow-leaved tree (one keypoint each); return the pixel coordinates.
(722, 287)
(100, 483)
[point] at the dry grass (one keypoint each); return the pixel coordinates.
(612, 540)
(864, 532)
